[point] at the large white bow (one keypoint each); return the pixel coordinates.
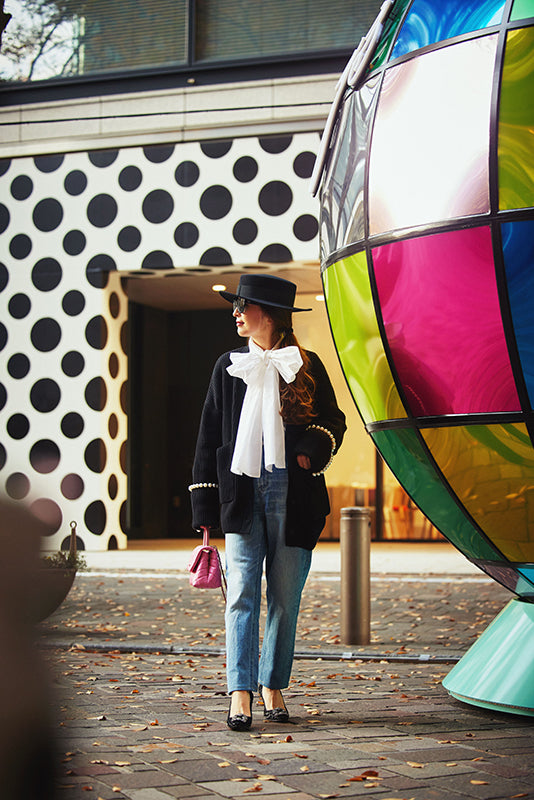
(260, 421)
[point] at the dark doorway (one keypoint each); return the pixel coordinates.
(171, 356)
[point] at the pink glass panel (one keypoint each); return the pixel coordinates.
(429, 151)
(440, 307)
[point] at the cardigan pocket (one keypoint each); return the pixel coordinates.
(227, 479)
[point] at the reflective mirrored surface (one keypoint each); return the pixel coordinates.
(429, 150)
(440, 307)
(357, 338)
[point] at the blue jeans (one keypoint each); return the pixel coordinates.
(286, 570)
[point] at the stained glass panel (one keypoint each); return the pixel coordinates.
(491, 469)
(431, 21)
(441, 314)
(516, 124)
(518, 249)
(429, 151)
(414, 470)
(358, 342)
(522, 9)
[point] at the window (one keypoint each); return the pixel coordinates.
(66, 40)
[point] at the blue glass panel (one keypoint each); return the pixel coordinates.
(528, 572)
(518, 248)
(431, 21)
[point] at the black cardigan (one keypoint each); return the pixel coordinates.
(227, 502)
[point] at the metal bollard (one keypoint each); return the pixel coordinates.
(355, 544)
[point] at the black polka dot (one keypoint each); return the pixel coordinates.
(46, 274)
(186, 234)
(45, 334)
(49, 512)
(3, 456)
(130, 178)
(18, 366)
(216, 149)
(113, 425)
(102, 210)
(20, 246)
(275, 144)
(124, 338)
(65, 544)
(45, 395)
(44, 456)
(48, 163)
(3, 396)
(97, 269)
(47, 214)
(19, 306)
(103, 158)
(74, 243)
(75, 182)
(114, 305)
(95, 455)
(245, 231)
(17, 486)
(95, 517)
(3, 336)
(158, 206)
(123, 396)
(4, 276)
(113, 487)
(73, 303)
(245, 169)
(186, 173)
(5, 163)
(96, 394)
(21, 187)
(96, 332)
(303, 164)
(275, 198)
(276, 254)
(306, 227)
(157, 259)
(113, 365)
(129, 238)
(72, 363)
(18, 426)
(216, 257)
(123, 457)
(157, 154)
(72, 486)
(72, 425)
(216, 202)
(4, 217)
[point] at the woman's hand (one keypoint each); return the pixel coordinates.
(303, 461)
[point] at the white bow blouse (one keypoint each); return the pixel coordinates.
(261, 422)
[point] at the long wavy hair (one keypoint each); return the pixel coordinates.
(298, 397)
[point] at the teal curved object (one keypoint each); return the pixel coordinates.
(497, 670)
(426, 176)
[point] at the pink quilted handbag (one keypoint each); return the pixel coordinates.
(205, 566)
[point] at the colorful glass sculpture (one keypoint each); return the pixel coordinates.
(427, 248)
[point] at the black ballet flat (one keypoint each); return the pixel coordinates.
(240, 722)
(274, 714)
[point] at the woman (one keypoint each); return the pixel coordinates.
(269, 428)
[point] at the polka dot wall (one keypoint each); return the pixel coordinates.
(70, 226)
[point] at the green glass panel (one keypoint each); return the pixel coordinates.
(516, 125)
(491, 470)
(523, 9)
(357, 338)
(391, 27)
(409, 462)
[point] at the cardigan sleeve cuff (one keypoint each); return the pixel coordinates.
(319, 444)
(205, 505)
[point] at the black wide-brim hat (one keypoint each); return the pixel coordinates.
(266, 290)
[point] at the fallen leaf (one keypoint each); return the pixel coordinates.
(479, 783)
(223, 764)
(256, 788)
(300, 755)
(415, 765)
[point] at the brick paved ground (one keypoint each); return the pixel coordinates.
(140, 698)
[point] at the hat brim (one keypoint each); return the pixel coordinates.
(231, 297)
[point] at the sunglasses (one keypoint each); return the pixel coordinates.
(239, 305)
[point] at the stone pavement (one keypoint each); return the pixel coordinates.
(137, 665)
